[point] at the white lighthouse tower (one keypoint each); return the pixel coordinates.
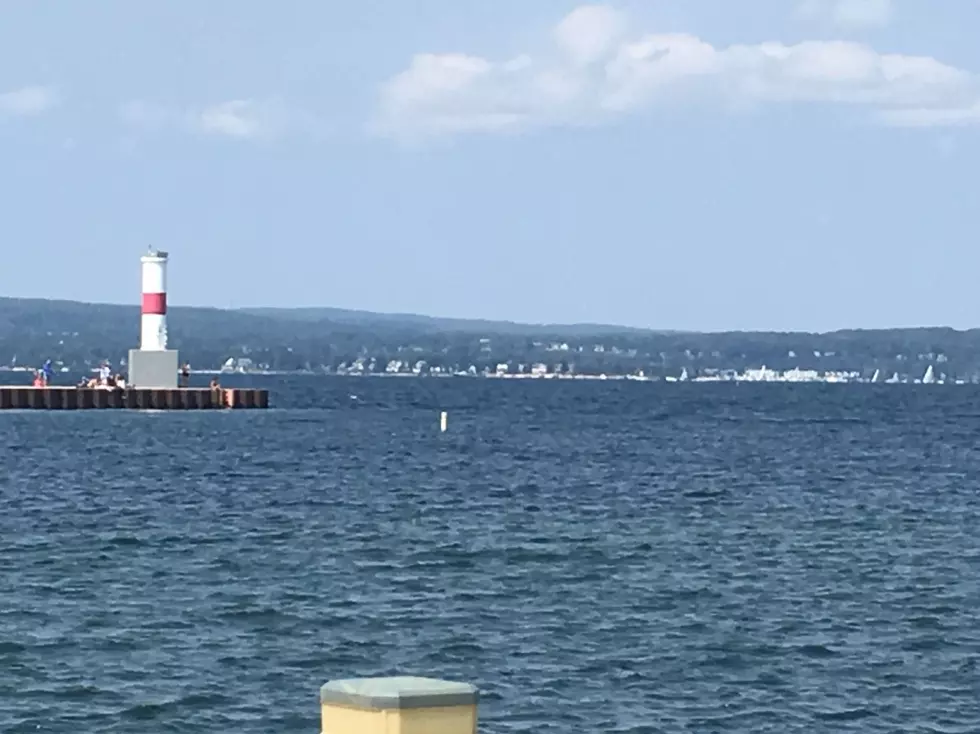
(153, 319)
(153, 365)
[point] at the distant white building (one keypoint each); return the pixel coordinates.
(239, 364)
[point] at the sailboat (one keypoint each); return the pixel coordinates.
(876, 377)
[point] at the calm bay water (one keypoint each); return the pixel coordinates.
(596, 557)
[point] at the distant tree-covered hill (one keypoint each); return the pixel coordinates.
(79, 335)
(437, 323)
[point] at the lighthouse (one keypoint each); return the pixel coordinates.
(153, 365)
(153, 314)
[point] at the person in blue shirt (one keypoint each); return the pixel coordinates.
(47, 370)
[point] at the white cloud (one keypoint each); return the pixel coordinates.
(589, 32)
(240, 119)
(27, 101)
(848, 14)
(236, 119)
(595, 71)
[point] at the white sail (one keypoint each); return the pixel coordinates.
(929, 377)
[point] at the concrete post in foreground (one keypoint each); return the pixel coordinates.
(398, 705)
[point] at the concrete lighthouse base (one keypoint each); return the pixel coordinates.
(154, 369)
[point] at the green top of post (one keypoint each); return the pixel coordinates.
(400, 692)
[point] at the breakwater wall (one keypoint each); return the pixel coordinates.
(80, 398)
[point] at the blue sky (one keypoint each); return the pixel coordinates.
(690, 164)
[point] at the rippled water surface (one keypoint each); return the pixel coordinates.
(596, 557)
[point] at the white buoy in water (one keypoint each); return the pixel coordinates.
(443, 421)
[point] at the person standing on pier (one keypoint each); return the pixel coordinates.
(185, 375)
(46, 371)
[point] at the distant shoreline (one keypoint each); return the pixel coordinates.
(329, 341)
(835, 379)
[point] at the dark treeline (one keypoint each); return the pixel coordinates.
(80, 335)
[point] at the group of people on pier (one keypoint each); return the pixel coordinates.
(110, 382)
(106, 378)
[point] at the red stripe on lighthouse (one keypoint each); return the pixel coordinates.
(155, 303)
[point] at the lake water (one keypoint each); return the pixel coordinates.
(595, 557)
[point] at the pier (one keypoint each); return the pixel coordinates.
(80, 398)
(153, 370)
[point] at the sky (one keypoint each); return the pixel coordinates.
(677, 164)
